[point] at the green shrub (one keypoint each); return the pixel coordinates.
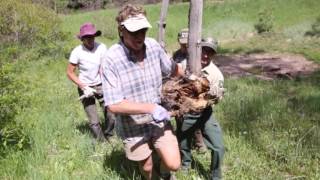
(27, 32)
(27, 24)
(111, 30)
(12, 101)
(265, 21)
(315, 29)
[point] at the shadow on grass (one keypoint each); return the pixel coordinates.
(84, 128)
(304, 104)
(284, 106)
(13, 139)
(125, 168)
(240, 50)
(13, 143)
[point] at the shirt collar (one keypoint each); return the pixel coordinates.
(94, 47)
(129, 54)
(207, 68)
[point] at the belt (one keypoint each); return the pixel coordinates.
(96, 85)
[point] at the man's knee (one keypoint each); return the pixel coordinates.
(147, 166)
(173, 165)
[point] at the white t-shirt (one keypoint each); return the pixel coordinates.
(88, 62)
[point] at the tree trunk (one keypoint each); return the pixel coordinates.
(194, 46)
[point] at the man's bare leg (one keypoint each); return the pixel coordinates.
(146, 166)
(170, 155)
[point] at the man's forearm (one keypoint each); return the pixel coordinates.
(128, 107)
(73, 77)
(178, 71)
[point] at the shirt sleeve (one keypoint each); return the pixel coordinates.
(112, 91)
(74, 57)
(168, 66)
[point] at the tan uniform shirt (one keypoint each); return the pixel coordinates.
(215, 78)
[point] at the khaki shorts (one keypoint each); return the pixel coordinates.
(139, 148)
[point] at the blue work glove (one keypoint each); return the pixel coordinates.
(160, 114)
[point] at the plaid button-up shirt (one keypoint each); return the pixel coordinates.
(124, 79)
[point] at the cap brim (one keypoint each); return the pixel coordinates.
(96, 34)
(183, 41)
(203, 44)
(136, 23)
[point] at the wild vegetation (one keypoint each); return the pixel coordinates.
(271, 128)
(28, 32)
(70, 6)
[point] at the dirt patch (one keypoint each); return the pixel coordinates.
(266, 66)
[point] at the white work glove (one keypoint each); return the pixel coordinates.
(88, 91)
(192, 77)
(160, 114)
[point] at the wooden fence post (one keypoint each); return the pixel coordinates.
(194, 39)
(162, 23)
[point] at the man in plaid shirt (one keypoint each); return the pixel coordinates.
(132, 73)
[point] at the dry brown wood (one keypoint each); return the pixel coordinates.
(181, 96)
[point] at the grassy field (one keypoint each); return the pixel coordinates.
(231, 23)
(271, 129)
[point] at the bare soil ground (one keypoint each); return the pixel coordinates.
(266, 66)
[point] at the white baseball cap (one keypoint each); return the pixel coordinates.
(135, 23)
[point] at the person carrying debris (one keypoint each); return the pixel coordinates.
(132, 75)
(182, 53)
(180, 56)
(87, 59)
(204, 120)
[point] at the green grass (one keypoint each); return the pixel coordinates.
(231, 22)
(280, 121)
(271, 128)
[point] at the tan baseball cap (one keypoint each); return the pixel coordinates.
(183, 36)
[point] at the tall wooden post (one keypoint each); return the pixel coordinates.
(162, 23)
(194, 47)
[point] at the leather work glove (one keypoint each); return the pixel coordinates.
(88, 91)
(160, 114)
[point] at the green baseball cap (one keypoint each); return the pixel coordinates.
(210, 42)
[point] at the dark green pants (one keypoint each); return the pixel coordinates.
(212, 134)
(89, 105)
